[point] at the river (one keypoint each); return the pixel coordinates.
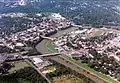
(41, 46)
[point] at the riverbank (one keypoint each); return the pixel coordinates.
(41, 46)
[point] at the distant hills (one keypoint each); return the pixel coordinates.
(81, 11)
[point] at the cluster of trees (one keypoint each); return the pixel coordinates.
(5, 49)
(63, 70)
(11, 25)
(100, 39)
(34, 42)
(26, 75)
(32, 45)
(32, 52)
(4, 67)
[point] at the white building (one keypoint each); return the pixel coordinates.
(37, 60)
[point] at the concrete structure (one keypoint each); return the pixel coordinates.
(37, 60)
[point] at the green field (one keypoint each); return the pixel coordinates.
(108, 79)
(51, 68)
(18, 65)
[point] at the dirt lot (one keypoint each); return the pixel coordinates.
(18, 65)
(67, 79)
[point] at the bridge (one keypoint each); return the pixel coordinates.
(52, 54)
(44, 55)
(49, 38)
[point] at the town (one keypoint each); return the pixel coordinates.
(98, 48)
(49, 25)
(20, 46)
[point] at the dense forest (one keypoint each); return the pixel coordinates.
(81, 11)
(9, 24)
(26, 75)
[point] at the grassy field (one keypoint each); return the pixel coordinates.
(95, 32)
(50, 47)
(108, 79)
(67, 79)
(51, 68)
(18, 65)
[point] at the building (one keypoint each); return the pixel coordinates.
(37, 60)
(3, 57)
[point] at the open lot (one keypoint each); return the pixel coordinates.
(67, 79)
(95, 32)
(18, 65)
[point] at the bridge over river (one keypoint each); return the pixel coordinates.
(41, 46)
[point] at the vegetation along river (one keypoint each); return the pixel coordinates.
(41, 46)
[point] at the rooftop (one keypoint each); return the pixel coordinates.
(37, 60)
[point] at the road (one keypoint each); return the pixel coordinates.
(73, 66)
(38, 70)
